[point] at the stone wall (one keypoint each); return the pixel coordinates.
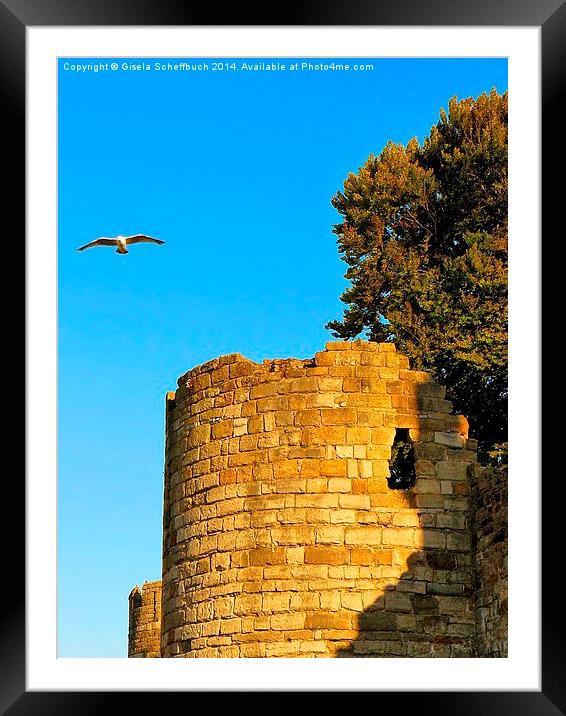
(281, 534)
(489, 535)
(144, 622)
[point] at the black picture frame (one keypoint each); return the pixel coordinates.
(550, 16)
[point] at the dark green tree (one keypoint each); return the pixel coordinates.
(424, 234)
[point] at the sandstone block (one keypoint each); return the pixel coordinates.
(284, 622)
(232, 506)
(430, 500)
(302, 385)
(267, 555)
(276, 602)
(397, 602)
(383, 436)
(247, 604)
(406, 519)
(351, 385)
(458, 541)
(272, 404)
(264, 518)
(326, 555)
(295, 555)
(264, 390)
(352, 470)
(369, 359)
(320, 400)
(198, 435)
(330, 600)
(354, 502)
(328, 620)
(337, 484)
(290, 486)
(363, 535)
(423, 486)
(286, 469)
(432, 538)
(255, 424)
(338, 416)
(283, 418)
(230, 626)
(398, 536)
(451, 470)
(451, 440)
(309, 417)
(359, 487)
(282, 648)
(320, 501)
(222, 429)
(338, 346)
(329, 534)
(313, 647)
(352, 601)
(317, 516)
(334, 468)
(240, 426)
(292, 534)
(451, 520)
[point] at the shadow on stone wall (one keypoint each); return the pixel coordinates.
(429, 611)
(411, 620)
(489, 532)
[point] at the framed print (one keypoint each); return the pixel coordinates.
(231, 152)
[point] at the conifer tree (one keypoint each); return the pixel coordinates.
(424, 234)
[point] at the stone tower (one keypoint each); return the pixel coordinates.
(144, 620)
(285, 532)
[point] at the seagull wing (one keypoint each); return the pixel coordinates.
(99, 242)
(142, 239)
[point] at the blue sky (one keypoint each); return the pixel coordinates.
(235, 171)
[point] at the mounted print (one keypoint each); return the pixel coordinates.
(283, 357)
(282, 300)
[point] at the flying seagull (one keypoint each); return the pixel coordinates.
(121, 242)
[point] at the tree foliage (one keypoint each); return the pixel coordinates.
(424, 234)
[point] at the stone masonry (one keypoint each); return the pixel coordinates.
(282, 533)
(144, 620)
(489, 535)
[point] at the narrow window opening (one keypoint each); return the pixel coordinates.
(402, 463)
